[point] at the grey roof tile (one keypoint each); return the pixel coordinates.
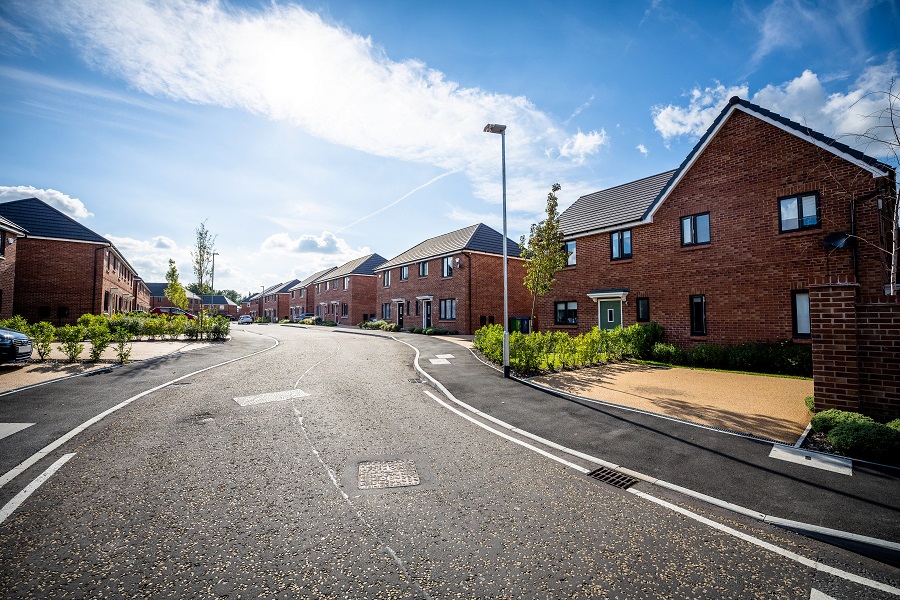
(364, 265)
(478, 238)
(42, 220)
(306, 282)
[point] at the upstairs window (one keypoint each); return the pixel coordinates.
(695, 230)
(423, 269)
(570, 252)
(447, 266)
(387, 279)
(327, 285)
(347, 283)
(566, 313)
(799, 212)
(404, 273)
(620, 242)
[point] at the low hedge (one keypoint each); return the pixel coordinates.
(825, 421)
(867, 440)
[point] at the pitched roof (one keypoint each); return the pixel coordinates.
(613, 206)
(364, 265)
(216, 299)
(285, 287)
(157, 289)
(10, 226)
(478, 238)
(42, 220)
(313, 277)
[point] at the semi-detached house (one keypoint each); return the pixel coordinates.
(454, 281)
(724, 248)
(303, 295)
(346, 295)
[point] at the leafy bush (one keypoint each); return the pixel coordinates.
(895, 424)
(122, 338)
(173, 327)
(712, 356)
(42, 335)
(16, 323)
(524, 355)
(220, 328)
(667, 353)
(70, 338)
(157, 326)
(810, 402)
(827, 420)
(867, 440)
(489, 341)
(100, 338)
(328, 323)
(192, 329)
(642, 338)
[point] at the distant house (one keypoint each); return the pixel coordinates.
(9, 233)
(63, 269)
(725, 248)
(346, 295)
(250, 306)
(158, 297)
(454, 281)
(275, 303)
(303, 295)
(218, 304)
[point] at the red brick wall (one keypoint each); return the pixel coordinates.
(7, 276)
(360, 299)
(749, 269)
(878, 336)
(476, 285)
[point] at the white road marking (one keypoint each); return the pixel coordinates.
(19, 498)
(835, 464)
(439, 361)
(785, 553)
(271, 397)
(444, 356)
(31, 460)
(815, 594)
(7, 429)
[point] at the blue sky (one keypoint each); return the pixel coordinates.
(306, 134)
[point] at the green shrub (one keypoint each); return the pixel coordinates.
(489, 341)
(524, 356)
(42, 335)
(810, 402)
(156, 326)
(172, 327)
(867, 440)
(640, 339)
(667, 353)
(122, 338)
(16, 323)
(827, 420)
(220, 328)
(712, 356)
(70, 338)
(895, 424)
(192, 329)
(100, 337)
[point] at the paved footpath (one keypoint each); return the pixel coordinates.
(727, 467)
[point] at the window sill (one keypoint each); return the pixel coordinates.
(799, 232)
(619, 261)
(566, 325)
(696, 246)
(797, 339)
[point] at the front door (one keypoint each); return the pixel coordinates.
(426, 310)
(610, 314)
(400, 315)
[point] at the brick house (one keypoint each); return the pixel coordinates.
(9, 233)
(303, 295)
(274, 302)
(346, 295)
(724, 248)
(63, 269)
(250, 306)
(453, 281)
(158, 297)
(141, 295)
(218, 304)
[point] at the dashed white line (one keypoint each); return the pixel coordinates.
(19, 498)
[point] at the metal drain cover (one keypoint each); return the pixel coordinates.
(613, 478)
(387, 474)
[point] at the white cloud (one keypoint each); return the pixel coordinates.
(62, 202)
(642, 149)
(326, 243)
(803, 99)
(289, 64)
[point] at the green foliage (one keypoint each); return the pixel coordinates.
(810, 402)
(867, 440)
(122, 338)
(70, 338)
(192, 329)
(100, 337)
(489, 341)
(220, 328)
(827, 420)
(157, 326)
(42, 335)
(895, 424)
(642, 338)
(202, 257)
(173, 326)
(712, 356)
(667, 353)
(543, 249)
(174, 291)
(16, 323)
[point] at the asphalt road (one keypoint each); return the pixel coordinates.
(185, 492)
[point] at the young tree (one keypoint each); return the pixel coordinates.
(544, 251)
(174, 290)
(202, 256)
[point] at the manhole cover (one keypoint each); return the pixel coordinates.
(387, 474)
(613, 478)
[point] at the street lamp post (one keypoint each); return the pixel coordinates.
(212, 279)
(501, 129)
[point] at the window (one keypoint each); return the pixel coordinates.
(301, 291)
(292, 294)
(319, 311)
(800, 313)
(387, 279)
(643, 309)
(386, 311)
(621, 244)
(423, 269)
(2, 243)
(448, 309)
(698, 314)
(695, 230)
(327, 287)
(344, 309)
(799, 212)
(404, 273)
(347, 283)
(336, 285)
(570, 252)
(417, 308)
(318, 287)
(447, 266)
(566, 313)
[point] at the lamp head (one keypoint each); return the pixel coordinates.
(493, 128)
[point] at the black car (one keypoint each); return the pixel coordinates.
(14, 346)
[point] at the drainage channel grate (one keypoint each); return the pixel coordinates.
(387, 474)
(417, 381)
(613, 478)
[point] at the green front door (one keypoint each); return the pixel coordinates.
(610, 314)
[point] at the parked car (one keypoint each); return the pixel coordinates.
(245, 320)
(171, 311)
(299, 318)
(14, 346)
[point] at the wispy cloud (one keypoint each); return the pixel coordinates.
(642, 149)
(290, 64)
(62, 202)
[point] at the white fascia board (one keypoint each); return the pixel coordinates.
(619, 227)
(426, 297)
(53, 239)
(608, 296)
